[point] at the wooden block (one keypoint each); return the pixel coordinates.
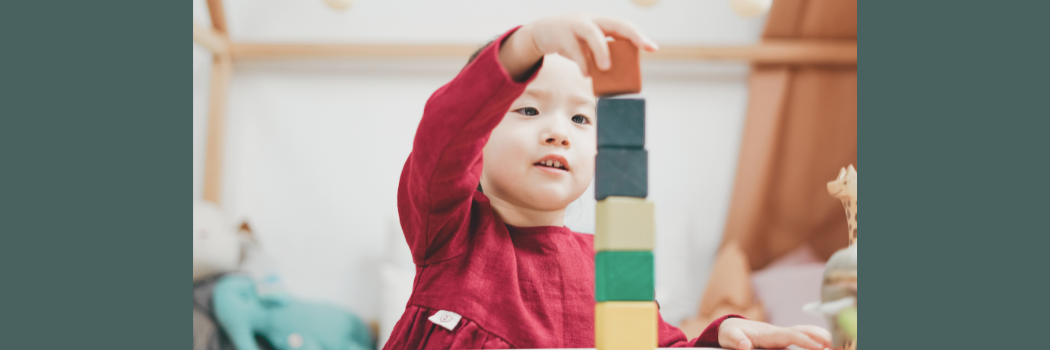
(621, 172)
(625, 74)
(624, 223)
(623, 276)
(625, 325)
(621, 122)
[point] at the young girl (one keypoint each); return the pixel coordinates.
(498, 269)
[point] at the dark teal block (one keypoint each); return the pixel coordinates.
(621, 122)
(621, 172)
(624, 276)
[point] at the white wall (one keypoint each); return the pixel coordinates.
(669, 22)
(315, 149)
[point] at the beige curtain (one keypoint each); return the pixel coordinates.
(801, 128)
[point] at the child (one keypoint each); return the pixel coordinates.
(495, 266)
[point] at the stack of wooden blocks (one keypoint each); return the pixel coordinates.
(626, 313)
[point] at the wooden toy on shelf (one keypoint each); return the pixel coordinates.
(844, 188)
(838, 292)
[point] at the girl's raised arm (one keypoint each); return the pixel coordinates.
(441, 175)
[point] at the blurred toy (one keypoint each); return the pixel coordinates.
(284, 322)
(750, 8)
(221, 247)
(838, 295)
(848, 322)
(258, 264)
(339, 5)
(216, 248)
(645, 3)
(845, 189)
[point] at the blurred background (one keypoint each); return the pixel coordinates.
(740, 146)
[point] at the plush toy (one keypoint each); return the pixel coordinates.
(216, 247)
(285, 323)
(838, 294)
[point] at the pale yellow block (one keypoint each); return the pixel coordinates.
(625, 325)
(624, 223)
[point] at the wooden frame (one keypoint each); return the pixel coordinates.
(214, 150)
(216, 39)
(768, 52)
(772, 52)
(217, 43)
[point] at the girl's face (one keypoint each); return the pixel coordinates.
(541, 155)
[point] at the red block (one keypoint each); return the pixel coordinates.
(625, 75)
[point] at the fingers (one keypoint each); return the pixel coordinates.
(787, 336)
(815, 333)
(626, 30)
(595, 39)
(573, 52)
(587, 41)
(734, 337)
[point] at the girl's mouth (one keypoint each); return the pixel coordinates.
(551, 169)
(553, 164)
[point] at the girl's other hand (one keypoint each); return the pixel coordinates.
(741, 334)
(567, 36)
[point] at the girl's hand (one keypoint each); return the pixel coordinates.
(567, 36)
(741, 334)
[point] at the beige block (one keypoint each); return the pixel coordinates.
(625, 325)
(624, 223)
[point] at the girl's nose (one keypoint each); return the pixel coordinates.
(556, 136)
(557, 140)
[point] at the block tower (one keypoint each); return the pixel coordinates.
(625, 312)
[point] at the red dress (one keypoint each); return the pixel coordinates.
(514, 287)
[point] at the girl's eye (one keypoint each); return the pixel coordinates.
(529, 111)
(579, 119)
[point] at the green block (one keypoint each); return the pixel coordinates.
(623, 276)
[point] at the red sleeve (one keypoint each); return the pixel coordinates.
(441, 174)
(672, 337)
